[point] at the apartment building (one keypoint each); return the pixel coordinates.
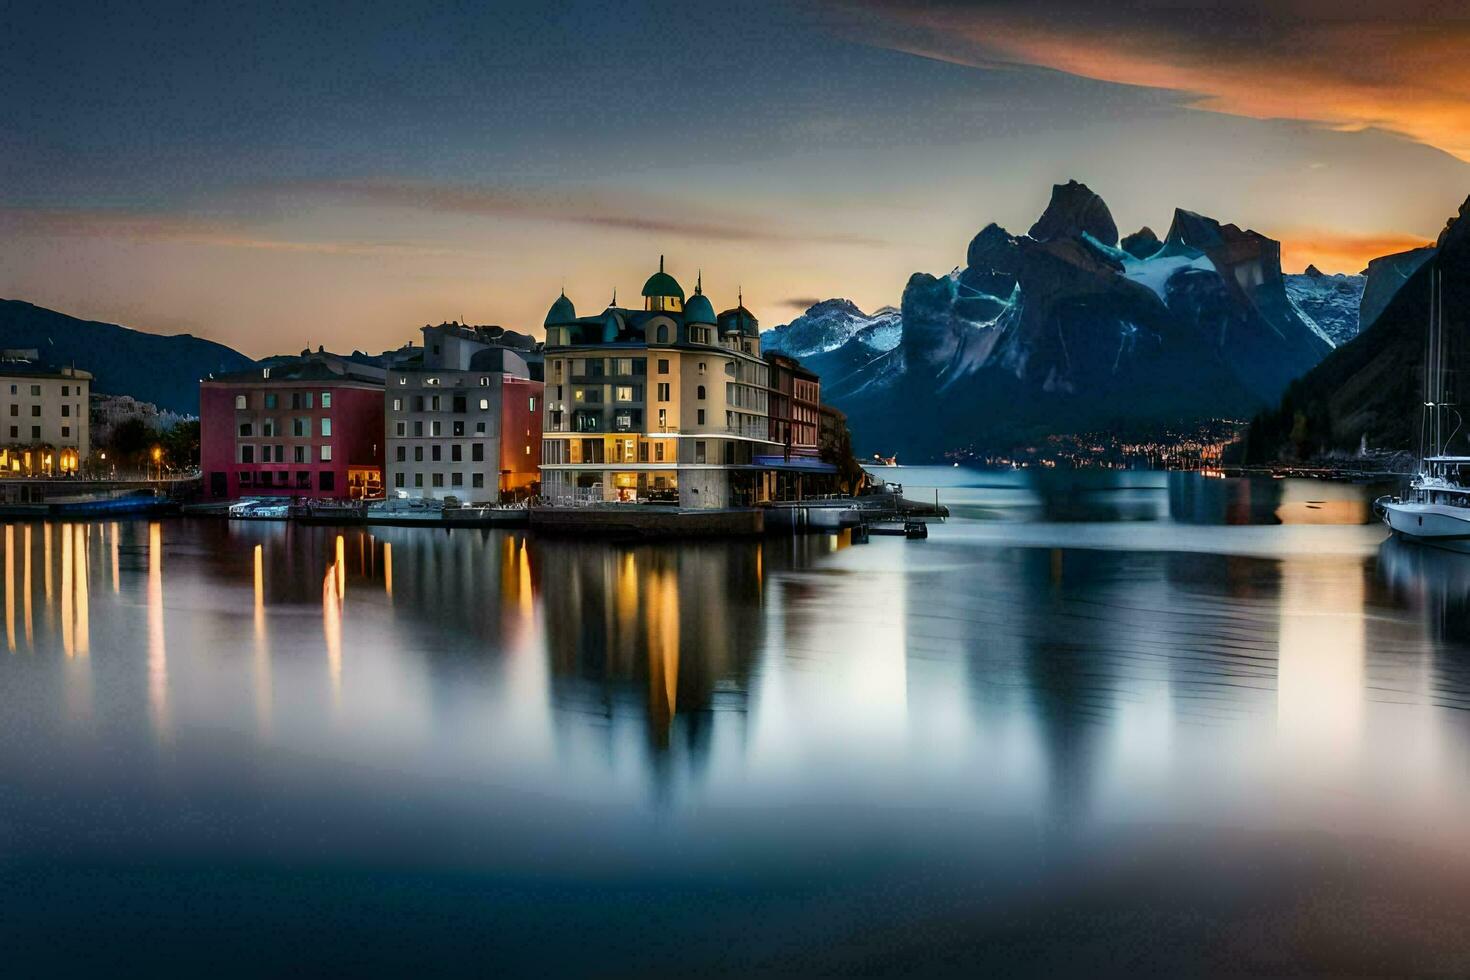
(310, 426)
(44, 416)
(463, 416)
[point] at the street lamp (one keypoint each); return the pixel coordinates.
(158, 461)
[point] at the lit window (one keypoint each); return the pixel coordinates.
(398, 404)
(326, 400)
(326, 454)
(485, 382)
(431, 382)
(240, 400)
(326, 427)
(484, 404)
(402, 380)
(533, 403)
(624, 393)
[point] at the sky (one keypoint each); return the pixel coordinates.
(275, 176)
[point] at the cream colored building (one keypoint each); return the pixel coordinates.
(667, 404)
(44, 420)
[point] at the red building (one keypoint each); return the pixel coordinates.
(795, 406)
(310, 427)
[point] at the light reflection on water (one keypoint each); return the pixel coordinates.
(1189, 746)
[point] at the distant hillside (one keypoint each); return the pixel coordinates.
(1371, 389)
(150, 367)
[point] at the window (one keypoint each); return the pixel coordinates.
(400, 429)
(477, 452)
(246, 429)
(402, 380)
(326, 454)
(456, 453)
(438, 479)
(298, 454)
(398, 480)
(327, 480)
(699, 451)
(300, 427)
(663, 391)
(432, 382)
(397, 404)
(268, 427)
(459, 404)
(35, 411)
(65, 431)
(15, 432)
(247, 454)
(303, 479)
(662, 334)
(699, 392)
(418, 429)
(326, 427)
(701, 367)
(436, 453)
(402, 454)
(477, 480)
(663, 418)
(66, 411)
(531, 404)
(247, 479)
(418, 454)
(485, 381)
(418, 403)
(433, 403)
(418, 479)
(658, 452)
(270, 400)
(435, 428)
(35, 432)
(484, 404)
(663, 365)
(65, 391)
(480, 428)
(623, 393)
(35, 390)
(456, 479)
(457, 429)
(326, 400)
(700, 420)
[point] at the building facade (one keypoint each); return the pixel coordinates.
(44, 416)
(796, 407)
(464, 418)
(309, 427)
(669, 403)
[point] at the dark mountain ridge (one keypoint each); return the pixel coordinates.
(164, 370)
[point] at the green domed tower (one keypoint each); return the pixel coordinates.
(699, 309)
(561, 313)
(662, 293)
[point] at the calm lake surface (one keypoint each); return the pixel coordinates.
(1098, 723)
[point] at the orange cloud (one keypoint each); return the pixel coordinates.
(1333, 251)
(1348, 64)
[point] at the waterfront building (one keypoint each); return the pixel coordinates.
(796, 406)
(307, 426)
(44, 418)
(464, 416)
(669, 403)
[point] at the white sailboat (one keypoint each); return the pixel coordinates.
(1436, 508)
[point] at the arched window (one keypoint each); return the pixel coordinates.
(663, 333)
(700, 392)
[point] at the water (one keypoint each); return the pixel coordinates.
(1107, 728)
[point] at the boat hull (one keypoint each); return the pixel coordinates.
(1434, 523)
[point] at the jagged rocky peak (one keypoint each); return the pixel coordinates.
(1314, 272)
(1248, 257)
(1073, 210)
(1142, 243)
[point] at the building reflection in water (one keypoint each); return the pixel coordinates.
(262, 659)
(1320, 672)
(655, 636)
(157, 643)
(334, 592)
(10, 587)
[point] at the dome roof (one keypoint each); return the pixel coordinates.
(699, 309)
(662, 284)
(562, 311)
(739, 320)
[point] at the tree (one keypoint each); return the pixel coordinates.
(130, 442)
(181, 445)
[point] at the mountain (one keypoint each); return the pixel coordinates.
(150, 367)
(1331, 302)
(830, 324)
(1372, 387)
(1062, 330)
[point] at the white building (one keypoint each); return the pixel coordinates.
(44, 419)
